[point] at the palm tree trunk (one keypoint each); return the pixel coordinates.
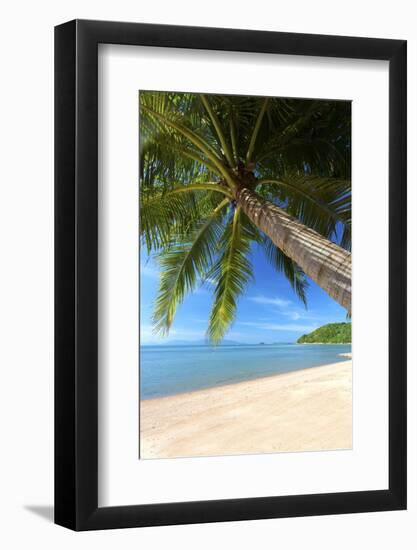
(328, 264)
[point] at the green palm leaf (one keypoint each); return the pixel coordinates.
(319, 202)
(283, 264)
(183, 264)
(171, 120)
(231, 273)
(315, 135)
(163, 216)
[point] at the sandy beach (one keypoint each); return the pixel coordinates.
(306, 410)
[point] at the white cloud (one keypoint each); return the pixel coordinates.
(297, 314)
(285, 308)
(270, 301)
(294, 315)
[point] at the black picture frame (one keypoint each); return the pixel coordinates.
(76, 272)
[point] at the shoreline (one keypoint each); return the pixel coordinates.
(304, 410)
(346, 356)
(324, 343)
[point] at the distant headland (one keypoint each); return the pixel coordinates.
(332, 333)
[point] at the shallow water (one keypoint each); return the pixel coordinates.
(168, 370)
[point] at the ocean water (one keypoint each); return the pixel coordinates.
(168, 370)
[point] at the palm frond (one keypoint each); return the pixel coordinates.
(218, 128)
(183, 264)
(346, 238)
(164, 216)
(173, 122)
(319, 202)
(283, 264)
(316, 134)
(256, 129)
(161, 166)
(231, 273)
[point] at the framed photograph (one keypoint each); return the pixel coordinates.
(230, 252)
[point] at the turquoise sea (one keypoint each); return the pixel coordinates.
(172, 369)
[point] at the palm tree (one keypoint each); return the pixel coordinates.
(218, 173)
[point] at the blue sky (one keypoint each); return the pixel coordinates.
(268, 312)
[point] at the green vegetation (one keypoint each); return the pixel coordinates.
(333, 333)
(219, 174)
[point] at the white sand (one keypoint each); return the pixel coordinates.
(307, 410)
